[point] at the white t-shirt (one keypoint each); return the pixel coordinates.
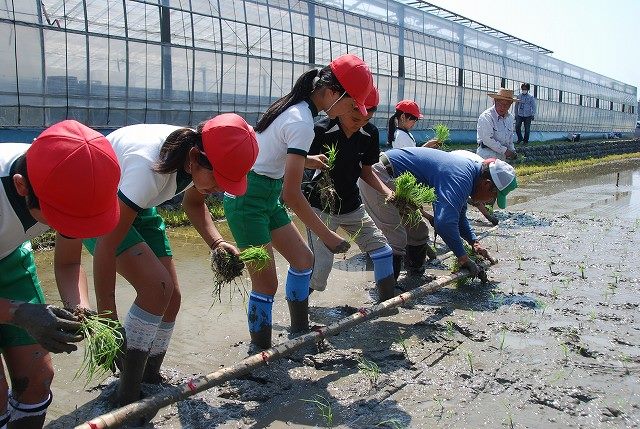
(402, 139)
(16, 223)
(138, 148)
(291, 132)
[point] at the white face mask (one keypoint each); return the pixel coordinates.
(524, 91)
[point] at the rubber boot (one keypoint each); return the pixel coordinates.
(261, 339)
(299, 314)
(397, 265)
(29, 422)
(414, 259)
(152, 370)
(135, 362)
(386, 288)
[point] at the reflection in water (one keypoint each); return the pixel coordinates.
(590, 190)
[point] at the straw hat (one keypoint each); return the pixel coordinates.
(503, 94)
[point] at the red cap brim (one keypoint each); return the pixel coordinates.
(82, 227)
(229, 186)
(362, 108)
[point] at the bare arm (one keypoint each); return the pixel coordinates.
(371, 179)
(292, 196)
(104, 261)
(71, 277)
(194, 206)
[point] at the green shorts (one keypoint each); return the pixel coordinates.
(147, 227)
(254, 215)
(19, 281)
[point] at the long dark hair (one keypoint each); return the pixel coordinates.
(391, 135)
(302, 89)
(176, 147)
(20, 167)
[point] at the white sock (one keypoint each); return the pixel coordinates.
(140, 328)
(163, 336)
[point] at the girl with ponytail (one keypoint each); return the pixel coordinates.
(157, 163)
(406, 115)
(258, 218)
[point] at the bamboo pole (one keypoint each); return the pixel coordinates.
(151, 405)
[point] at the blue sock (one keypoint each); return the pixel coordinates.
(382, 258)
(297, 288)
(259, 311)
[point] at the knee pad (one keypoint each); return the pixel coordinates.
(297, 287)
(18, 410)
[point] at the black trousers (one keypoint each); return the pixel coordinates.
(527, 127)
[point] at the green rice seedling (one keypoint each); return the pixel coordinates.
(409, 197)
(227, 267)
(103, 342)
(469, 357)
(370, 369)
(455, 266)
(503, 336)
(324, 407)
(325, 186)
(581, 268)
(391, 423)
(565, 351)
(625, 359)
(449, 329)
(442, 134)
(331, 152)
(554, 293)
(402, 341)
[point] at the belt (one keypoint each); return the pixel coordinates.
(384, 160)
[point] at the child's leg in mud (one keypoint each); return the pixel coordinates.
(31, 373)
(290, 244)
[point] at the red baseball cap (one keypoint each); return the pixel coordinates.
(231, 147)
(372, 99)
(355, 77)
(74, 172)
(410, 107)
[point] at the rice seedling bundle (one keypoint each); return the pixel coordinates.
(103, 342)
(409, 197)
(442, 133)
(227, 267)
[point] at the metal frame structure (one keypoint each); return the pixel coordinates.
(109, 63)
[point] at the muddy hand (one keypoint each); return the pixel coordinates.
(341, 248)
(472, 267)
(52, 327)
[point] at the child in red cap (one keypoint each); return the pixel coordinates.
(159, 162)
(285, 133)
(406, 115)
(66, 180)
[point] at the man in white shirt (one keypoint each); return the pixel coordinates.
(495, 127)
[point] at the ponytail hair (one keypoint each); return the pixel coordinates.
(176, 147)
(391, 135)
(304, 86)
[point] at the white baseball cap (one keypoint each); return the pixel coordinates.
(504, 177)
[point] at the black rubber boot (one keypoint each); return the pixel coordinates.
(386, 288)
(299, 314)
(397, 265)
(28, 422)
(261, 339)
(414, 259)
(135, 362)
(152, 370)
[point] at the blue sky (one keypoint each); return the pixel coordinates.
(599, 35)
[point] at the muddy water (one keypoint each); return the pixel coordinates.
(552, 342)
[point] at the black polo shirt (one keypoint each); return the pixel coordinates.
(362, 148)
